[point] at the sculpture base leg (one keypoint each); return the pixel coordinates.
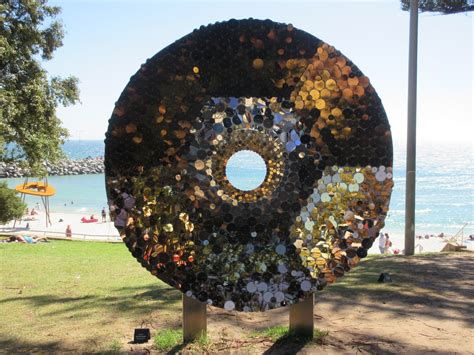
(301, 318)
(194, 319)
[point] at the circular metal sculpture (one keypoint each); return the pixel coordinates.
(307, 110)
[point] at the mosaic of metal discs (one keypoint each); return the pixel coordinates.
(305, 108)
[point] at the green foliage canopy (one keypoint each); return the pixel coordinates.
(11, 206)
(445, 7)
(29, 34)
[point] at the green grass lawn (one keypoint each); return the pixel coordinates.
(80, 295)
(85, 294)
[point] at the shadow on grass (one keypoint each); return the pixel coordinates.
(285, 345)
(25, 346)
(14, 345)
(438, 286)
(177, 348)
(290, 343)
(368, 343)
(171, 342)
(347, 342)
(136, 301)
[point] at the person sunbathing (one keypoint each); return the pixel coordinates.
(26, 239)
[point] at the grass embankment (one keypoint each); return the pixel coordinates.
(84, 296)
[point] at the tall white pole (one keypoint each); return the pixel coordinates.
(411, 133)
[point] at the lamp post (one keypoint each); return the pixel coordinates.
(411, 133)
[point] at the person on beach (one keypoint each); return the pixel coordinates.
(33, 212)
(382, 241)
(111, 213)
(38, 206)
(104, 215)
(68, 232)
(388, 244)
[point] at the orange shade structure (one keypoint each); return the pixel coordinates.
(36, 188)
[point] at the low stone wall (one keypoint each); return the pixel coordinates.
(64, 167)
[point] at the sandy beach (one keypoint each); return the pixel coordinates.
(432, 244)
(98, 231)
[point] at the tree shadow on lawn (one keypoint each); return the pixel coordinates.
(436, 286)
(126, 301)
(92, 344)
(15, 344)
(363, 342)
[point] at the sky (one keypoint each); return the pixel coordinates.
(106, 41)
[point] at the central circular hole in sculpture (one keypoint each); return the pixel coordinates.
(246, 170)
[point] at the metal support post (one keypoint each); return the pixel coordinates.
(411, 133)
(301, 317)
(194, 319)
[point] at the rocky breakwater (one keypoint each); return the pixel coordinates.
(64, 167)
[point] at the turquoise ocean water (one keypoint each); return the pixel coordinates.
(444, 201)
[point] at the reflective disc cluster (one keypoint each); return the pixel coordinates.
(262, 86)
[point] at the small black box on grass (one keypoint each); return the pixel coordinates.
(385, 277)
(141, 335)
